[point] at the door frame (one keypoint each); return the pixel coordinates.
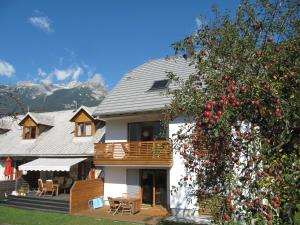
(153, 184)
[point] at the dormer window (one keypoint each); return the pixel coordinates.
(84, 129)
(85, 125)
(159, 85)
(34, 124)
(29, 132)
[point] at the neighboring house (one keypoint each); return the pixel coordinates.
(137, 155)
(50, 144)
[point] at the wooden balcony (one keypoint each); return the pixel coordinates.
(136, 153)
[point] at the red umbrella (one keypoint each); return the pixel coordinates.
(8, 168)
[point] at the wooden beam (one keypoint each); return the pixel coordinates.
(153, 190)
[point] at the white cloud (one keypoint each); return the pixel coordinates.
(41, 22)
(6, 69)
(96, 78)
(47, 80)
(41, 73)
(76, 73)
(62, 74)
(72, 73)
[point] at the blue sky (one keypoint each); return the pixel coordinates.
(62, 41)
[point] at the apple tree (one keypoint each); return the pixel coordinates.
(244, 144)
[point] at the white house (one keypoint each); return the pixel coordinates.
(137, 155)
(50, 144)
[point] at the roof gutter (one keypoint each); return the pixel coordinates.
(128, 114)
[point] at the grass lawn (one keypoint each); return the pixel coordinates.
(13, 216)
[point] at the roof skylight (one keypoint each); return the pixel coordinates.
(159, 85)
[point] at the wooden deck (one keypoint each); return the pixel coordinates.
(143, 153)
(145, 216)
(46, 203)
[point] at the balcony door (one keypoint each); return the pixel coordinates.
(146, 131)
(154, 187)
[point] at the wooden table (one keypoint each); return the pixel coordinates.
(136, 203)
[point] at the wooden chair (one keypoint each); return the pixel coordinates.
(126, 207)
(136, 195)
(113, 207)
(125, 195)
(41, 189)
(49, 187)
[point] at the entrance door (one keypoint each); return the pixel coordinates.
(154, 187)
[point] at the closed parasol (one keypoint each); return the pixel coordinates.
(8, 168)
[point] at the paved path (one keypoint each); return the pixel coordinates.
(190, 219)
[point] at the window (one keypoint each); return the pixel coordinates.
(146, 131)
(29, 132)
(84, 129)
(159, 85)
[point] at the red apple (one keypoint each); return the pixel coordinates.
(238, 104)
(215, 117)
(270, 39)
(207, 113)
(208, 107)
(236, 191)
(219, 113)
(268, 216)
(226, 217)
(275, 205)
(233, 88)
(249, 205)
(186, 146)
(225, 78)
(257, 201)
(256, 102)
(277, 113)
(242, 89)
(267, 86)
(277, 199)
(229, 198)
(211, 122)
(223, 102)
(258, 53)
(232, 207)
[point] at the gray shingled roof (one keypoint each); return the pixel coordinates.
(132, 93)
(5, 123)
(57, 141)
(39, 118)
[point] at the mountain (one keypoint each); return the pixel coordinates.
(45, 97)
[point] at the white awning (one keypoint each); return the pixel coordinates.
(50, 164)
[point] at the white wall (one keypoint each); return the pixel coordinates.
(116, 130)
(114, 181)
(2, 167)
(179, 201)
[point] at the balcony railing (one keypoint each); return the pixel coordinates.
(140, 153)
